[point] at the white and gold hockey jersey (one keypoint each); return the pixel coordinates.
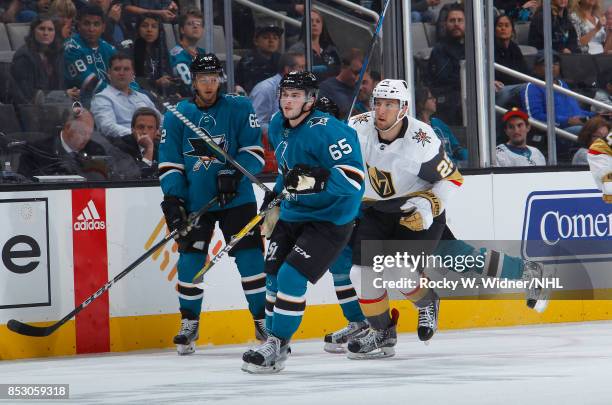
(600, 163)
(413, 165)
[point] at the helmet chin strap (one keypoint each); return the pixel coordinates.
(397, 121)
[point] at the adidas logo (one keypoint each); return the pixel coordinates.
(89, 219)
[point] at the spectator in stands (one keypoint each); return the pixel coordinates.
(68, 152)
(293, 9)
(151, 58)
(370, 80)
(590, 29)
(518, 10)
(262, 62)
(9, 10)
(191, 30)
(116, 31)
(593, 129)
(66, 12)
(568, 114)
(325, 58)
(265, 93)
(114, 106)
(444, 66)
(426, 107)
(604, 92)
(341, 88)
(442, 16)
(422, 10)
(86, 54)
(564, 37)
(507, 53)
(38, 65)
(31, 8)
(143, 141)
(516, 152)
(167, 10)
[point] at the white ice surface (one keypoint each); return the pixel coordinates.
(548, 364)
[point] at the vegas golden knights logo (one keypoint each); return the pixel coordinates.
(381, 182)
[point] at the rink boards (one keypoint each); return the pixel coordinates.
(60, 246)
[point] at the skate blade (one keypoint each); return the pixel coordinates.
(255, 369)
(541, 305)
(334, 348)
(185, 350)
(380, 354)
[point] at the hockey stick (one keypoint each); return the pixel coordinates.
(41, 331)
(236, 238)
(214, 146)
(366, 61)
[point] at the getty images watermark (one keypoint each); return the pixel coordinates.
(460, 263)
(463, 269)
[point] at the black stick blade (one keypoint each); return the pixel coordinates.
(29, 330)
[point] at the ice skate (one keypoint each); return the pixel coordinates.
(375, 343)
(537, 296)
(267, 358)
(187, 336)
(428, 320)
(335, 342)
(261, 333)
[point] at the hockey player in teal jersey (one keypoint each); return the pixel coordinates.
(86, 54)
(191, 174)
(191, 29)
(321, 167)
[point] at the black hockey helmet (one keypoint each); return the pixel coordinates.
(207, 63)
(327, 105)
(300, 80)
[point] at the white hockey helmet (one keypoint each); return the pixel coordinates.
(393, 90)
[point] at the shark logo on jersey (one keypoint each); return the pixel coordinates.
(421, 137)
(282, 164)
(381, 182)
(318, 121)
(206, 156)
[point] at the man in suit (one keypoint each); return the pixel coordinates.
(70, 152)
(143, 142)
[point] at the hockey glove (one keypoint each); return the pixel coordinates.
(419, 215)
(176, 216)
(303, 179)
(607, 188)
(271, 218)
(227, 185)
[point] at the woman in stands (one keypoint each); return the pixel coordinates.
(151, 60)
(38, 65)
(595, 128)
(564, 38)
(590, 28)
(326, 59)
(507, 53)
(425, 104)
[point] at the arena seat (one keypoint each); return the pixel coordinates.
(17, 32)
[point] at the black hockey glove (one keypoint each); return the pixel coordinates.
(176, 216)
(303, 179)
(268, 197)
(227, 185)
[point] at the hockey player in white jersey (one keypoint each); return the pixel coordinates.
(410, 183)
(600, 163)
